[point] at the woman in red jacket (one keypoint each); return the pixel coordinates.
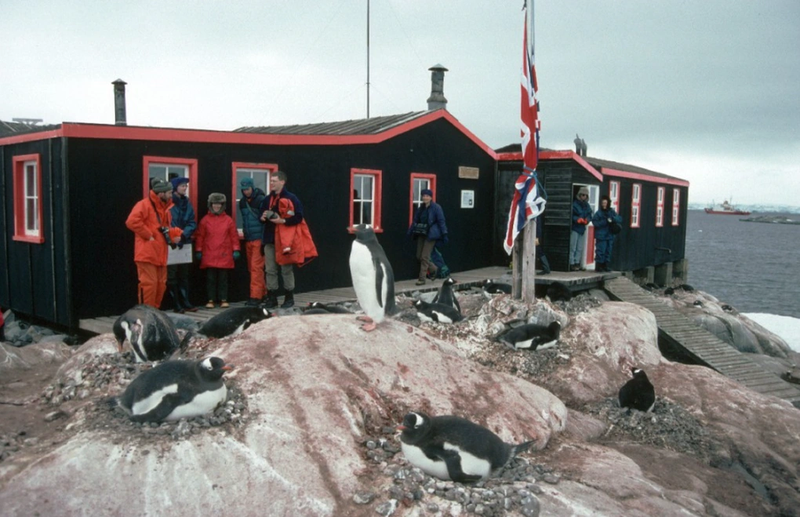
(217, 246)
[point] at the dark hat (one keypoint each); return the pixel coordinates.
(158, 186)
(247, 183)
(176, 182)
(426, 192)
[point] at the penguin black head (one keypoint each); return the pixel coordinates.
(697, 303)
(212, 368)
(414, 427)
(364, 233)
(449, 281)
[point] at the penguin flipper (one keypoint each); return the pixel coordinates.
(376, 263)
(162, 410)
(453, 461)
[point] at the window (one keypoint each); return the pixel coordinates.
(636, 199)
(676, 204)
(168, 168)
(259, 172)
(420, 182)
(365, 197)
(28, 198)
(660, 208)
(613, 194)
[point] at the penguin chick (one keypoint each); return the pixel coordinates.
(451, 447)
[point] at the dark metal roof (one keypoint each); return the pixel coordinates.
(365, 126)
(18, 128)
(597, 162)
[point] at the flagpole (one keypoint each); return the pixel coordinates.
(367, 58)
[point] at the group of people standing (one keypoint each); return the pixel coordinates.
(275, 234)
(604, 221)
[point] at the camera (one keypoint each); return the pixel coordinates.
(165, 232)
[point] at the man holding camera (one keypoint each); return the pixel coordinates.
(150, 221)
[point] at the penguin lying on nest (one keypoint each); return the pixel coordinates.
(492, 287)
(637, 393)
(532, 336)
(437, 312)
(233, 321)
(151, 333)
(373, 277)
(174, 390)
(450, 447)
(321, 308)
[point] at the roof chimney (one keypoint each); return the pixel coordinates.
(436, 100)
(121, 118)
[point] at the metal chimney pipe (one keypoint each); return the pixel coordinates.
(436, 100)
(120, 116)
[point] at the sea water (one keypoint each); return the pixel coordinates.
(754, 267)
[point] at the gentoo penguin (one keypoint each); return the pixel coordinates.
(532, 336)
(175, 390)
(697, 303)
(490, 286)
(151, 333)
(686, 287)
(373, 278)
(450, 447)
(669, 291)
(557, 291)
(637, 393)
(446, 294)
(437, 312)
(233, 321)
(330, 308)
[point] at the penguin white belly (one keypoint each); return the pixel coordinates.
(549, 344)
(201, 404)
(471, 464)
(152, 401)
(523, 344)
(441, 318)
(240, 328)
(423, 317)
(363, 274)
(417, 458)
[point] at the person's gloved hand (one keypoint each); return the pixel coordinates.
(198, 255)
(445, 239)
(236, 255)
(581, 220)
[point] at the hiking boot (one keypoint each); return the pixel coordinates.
(252, 302)
(421, 281)
(272, 301)
(210, 304)
(288, 300)
(224, 304)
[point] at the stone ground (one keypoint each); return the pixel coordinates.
(34, 411)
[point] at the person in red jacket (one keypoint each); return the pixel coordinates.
(150, 222)
(217, 247)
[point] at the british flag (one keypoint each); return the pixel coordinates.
(527, 204)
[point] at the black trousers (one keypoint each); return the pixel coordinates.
(217, 283)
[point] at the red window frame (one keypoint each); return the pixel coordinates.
(676, 204)
(660, 207)
(191, 163)
(613, 194)
(236, 191)
(18, 166)
(636, 204)
(377, 186)
(431, 185)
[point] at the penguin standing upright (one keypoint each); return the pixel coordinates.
(450, 447)
(373, 278)
(175, 390)
(637, 393)
(446, 294)
(233, 321)
(532, 336)
(437, 312)
(151, 333)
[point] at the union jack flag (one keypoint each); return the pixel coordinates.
(526, 204)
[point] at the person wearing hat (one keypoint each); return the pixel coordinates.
(603, 221)
(581, 216)
(150, 221)
(253, 229)
(428, 228)
(217, 248)
(183, 217)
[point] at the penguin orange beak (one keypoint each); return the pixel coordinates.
(401, 427)
(228, 367)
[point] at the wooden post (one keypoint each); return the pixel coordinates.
(523, 280)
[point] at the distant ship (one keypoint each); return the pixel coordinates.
(725, 209)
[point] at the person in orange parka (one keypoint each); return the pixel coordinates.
(217, 247)
(150, 222)
(293, 244)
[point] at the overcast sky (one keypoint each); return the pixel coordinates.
(708, 91)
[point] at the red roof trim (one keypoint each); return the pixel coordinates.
(112, 132)
(571, 155)
(644, 177)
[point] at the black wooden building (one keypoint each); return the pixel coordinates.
(67, 189)
(653, 207)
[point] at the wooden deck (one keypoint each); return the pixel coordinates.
(703, 346)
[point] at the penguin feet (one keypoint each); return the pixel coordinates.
(369, 324)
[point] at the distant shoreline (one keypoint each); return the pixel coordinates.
(773, 219)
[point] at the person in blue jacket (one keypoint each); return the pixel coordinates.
(183, 217)
(428, 227)
(581, 216)
(603, 237)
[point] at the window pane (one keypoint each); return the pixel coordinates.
(157, 171)
(31, 225)
(30, 179)
(366, 212)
